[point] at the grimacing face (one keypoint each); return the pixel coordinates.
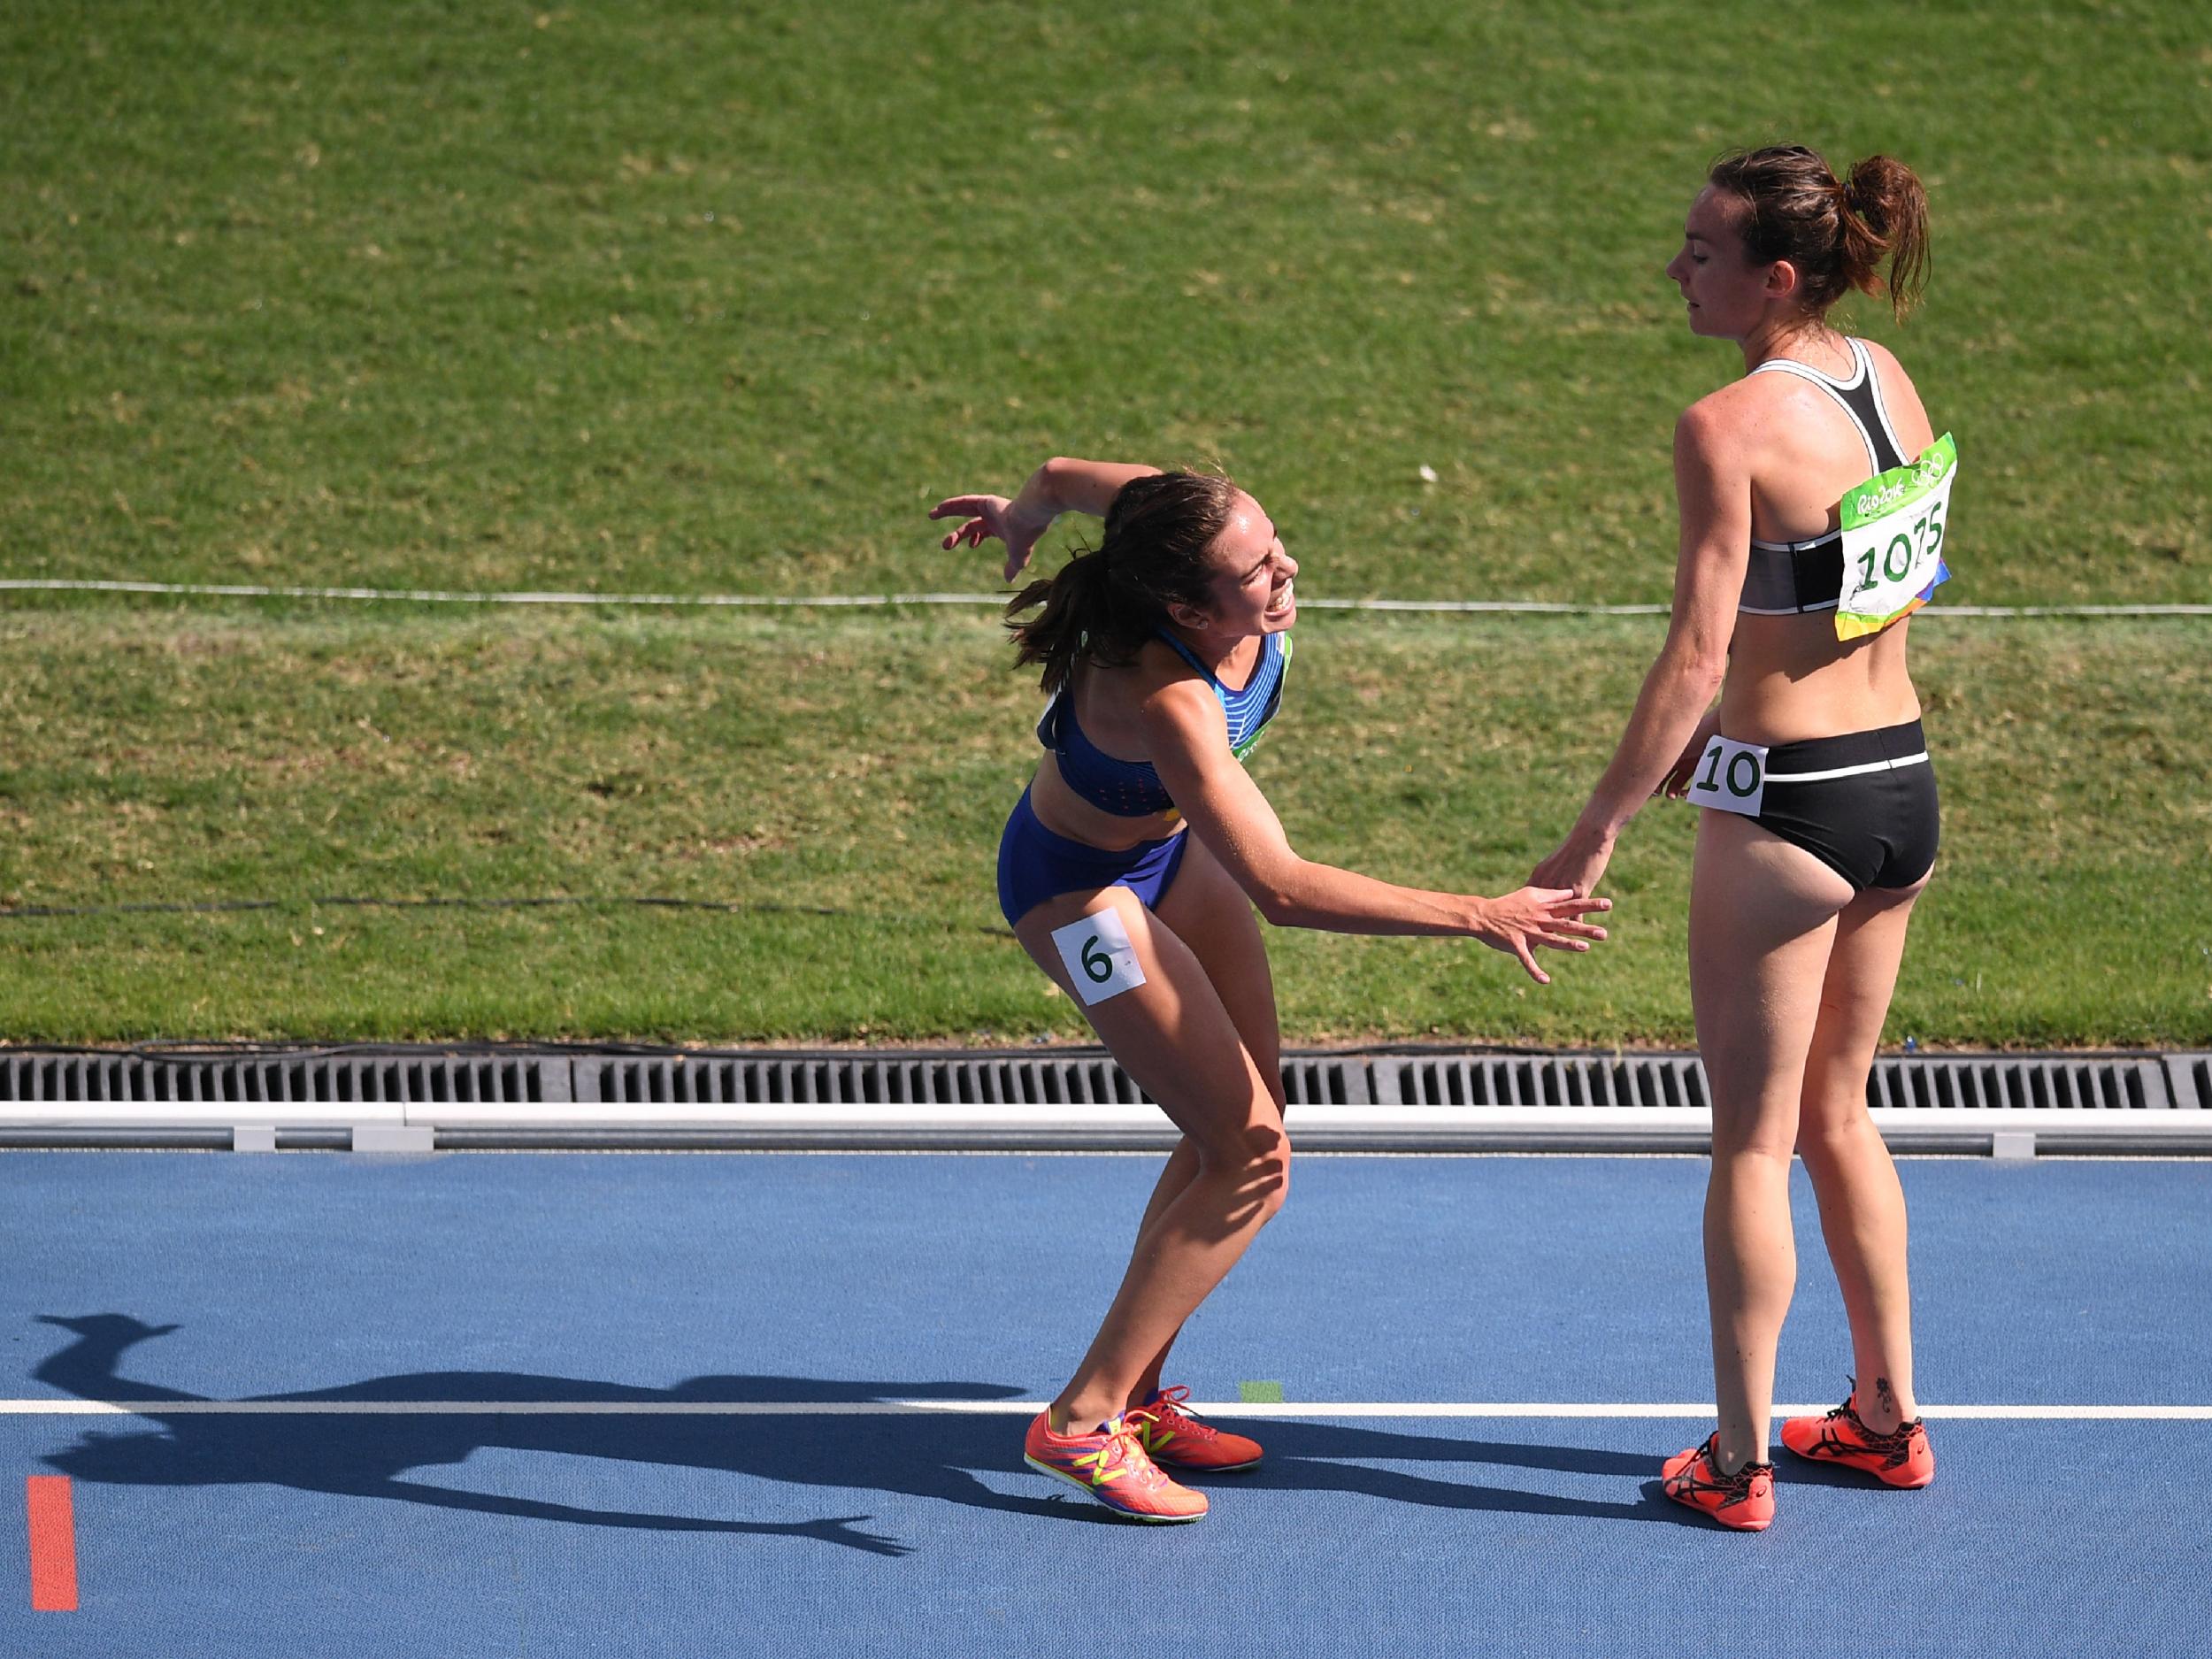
(1252, 582)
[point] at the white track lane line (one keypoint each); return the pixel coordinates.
(441, 597)
(1010, 1408)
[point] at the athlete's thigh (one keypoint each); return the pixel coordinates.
(1861, 977)
(1762, 915)
(1172, 1034)
(1211, 915)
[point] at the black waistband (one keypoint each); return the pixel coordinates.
(1848, 748)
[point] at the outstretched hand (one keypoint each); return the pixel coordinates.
(1548, 917)
(990, 516)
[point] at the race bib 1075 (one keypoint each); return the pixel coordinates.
(1893, 540)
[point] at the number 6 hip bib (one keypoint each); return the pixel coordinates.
(1100, 959)
(1731, 776)
(1892, 538)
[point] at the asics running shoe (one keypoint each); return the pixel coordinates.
(1899, 1458)
(1743, 1501)
(1109, 1465)
(1175, 1436)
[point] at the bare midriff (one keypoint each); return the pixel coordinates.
(1063, 811)
(1790, 678)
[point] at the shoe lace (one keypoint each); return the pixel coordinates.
(1703, 1473)
(1168, 1405)
(1848, 1413)
(1123, 1451)
(1708, 1462)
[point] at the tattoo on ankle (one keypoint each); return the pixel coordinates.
(1883, 1397)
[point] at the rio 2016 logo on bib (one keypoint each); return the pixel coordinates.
(1731, 776)
(1893, 529)
(1101, 960)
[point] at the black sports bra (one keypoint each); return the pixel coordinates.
(1785, 579)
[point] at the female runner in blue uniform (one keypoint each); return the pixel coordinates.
(1812, 494)
(1129, 871)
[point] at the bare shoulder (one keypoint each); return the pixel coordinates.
(1885, 359)
(1722, 428)
(1161, 678)
(1736, 412)
(1163, 687)
(1755, 425)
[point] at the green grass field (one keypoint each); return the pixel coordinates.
(668, 299)
(837, 782)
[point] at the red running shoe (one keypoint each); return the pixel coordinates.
(1743, 1501)
(1899, 1458)
(1109, 1465)
(1176, 1437)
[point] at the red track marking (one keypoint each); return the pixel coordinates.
(53, 1544)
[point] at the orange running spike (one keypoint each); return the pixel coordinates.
(1743, 1501)
(1175, 1436)
(1109, 1465)
(1902, 1458)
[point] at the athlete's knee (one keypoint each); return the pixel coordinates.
(1257, 1160)
(1829, 1140)
(1770, 1133)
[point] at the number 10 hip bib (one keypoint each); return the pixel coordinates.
(1892, 537)
(1729, 777)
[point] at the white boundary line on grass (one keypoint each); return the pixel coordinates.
(1010, 1408)
(770, 602)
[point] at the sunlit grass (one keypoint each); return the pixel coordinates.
(829, 791)
(667, 298)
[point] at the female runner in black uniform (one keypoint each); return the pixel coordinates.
(1820, 830)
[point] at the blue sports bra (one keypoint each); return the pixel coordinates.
(1787, 579)
(1131, 788)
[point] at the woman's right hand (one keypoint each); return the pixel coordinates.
(1549, 917)
(1676, 784)
(989, 516)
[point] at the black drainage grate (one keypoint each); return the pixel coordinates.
(939, 1080)
(2016, 1083)
(2189, 1080)
(1540, 1080)
(321, 1078)
(1033, 1098)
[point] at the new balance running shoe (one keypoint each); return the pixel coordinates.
(1899, 1458)
(1175, 1436)
(1109, 1465)
(1743, 1501)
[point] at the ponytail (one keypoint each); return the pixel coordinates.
(1105, 602)
(1886, 211)
(1074, 599)
(1837, 235)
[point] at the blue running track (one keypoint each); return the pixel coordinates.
(624, 1298)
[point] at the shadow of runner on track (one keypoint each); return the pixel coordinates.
(925, 1456)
